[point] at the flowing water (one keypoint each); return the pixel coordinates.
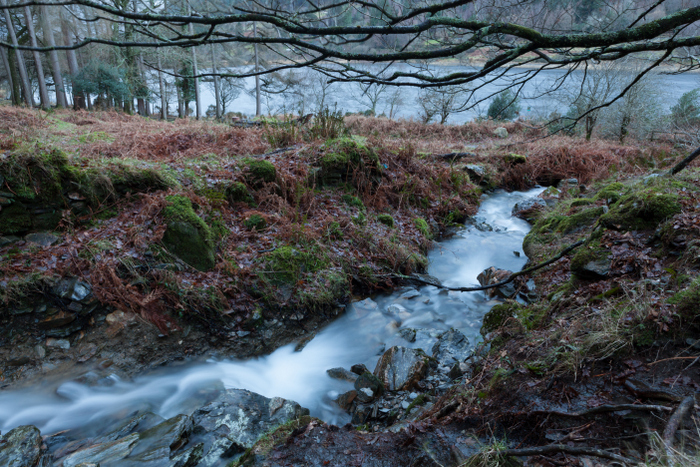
(360, 336)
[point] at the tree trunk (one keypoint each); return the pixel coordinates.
(161, 84)
(258, 106)
(53, 55)
(217, 93)
(24, 78)
(684, 163)
(14, 79)
(78, 99)
(6, 64)
(43, 92)
(196, 72)
(141, 101)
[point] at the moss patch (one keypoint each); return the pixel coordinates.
(642, 209)
(255, 222)
(423, 227)
(287, 264)
(386, 219)
(259, 172)
(611, 193)
(687, 303)
(188, 236)
(498, 315)
(237, 192)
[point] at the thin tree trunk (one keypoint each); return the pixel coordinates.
(78, 99)
(43, 92)
(6, 64)
(53, 55)
(24, 78)
(258, 106)
(217, 92)
(14, 79)
(142, 102)
(684, 163)
(161, 83)
(196, 80)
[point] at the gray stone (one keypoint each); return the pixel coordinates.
(458, 370)
(155, 444)
(65, 331)
(401, 368)
(494, 275)
(408, 334)
(359, 369)
(58, 343)
(344, 401)
(529, 208)
(7, 240)
(111, 451)
(410, 294)
(342, 374)
(452, 347)
(42, 239)
(501, 132)
(185, 241)
(235, 420)
(21, 447)
(368, 381)
(595, 269)
(189, 458)
(72, 289)
(56, 320)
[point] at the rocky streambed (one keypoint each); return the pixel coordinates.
(380, 366)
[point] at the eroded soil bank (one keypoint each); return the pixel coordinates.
(128, 244)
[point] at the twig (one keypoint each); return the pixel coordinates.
(277, 151)
(556, 448)
(606, 408)
(509, 279)
(674, 422)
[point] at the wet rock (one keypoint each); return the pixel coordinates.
(401, 368)
(410, 295)
(21, 447)
(7, 240)
(56, 320)
(408, 334)
(359, 369)
(103, 453)
(452, 347)
(39, 351)
(427, 278)
(595, 269)
(155, 444)
(529, 209)
(568, 184)
(368, 387)
(494, 275)
(65, 331)
(58, 343)
(342, 374)
(458, 370)
(189, 458)
(235, 420)
(42, 239)
(362, 308)
(500, 132)
(72, 289)
(185, 241)
(344, 401)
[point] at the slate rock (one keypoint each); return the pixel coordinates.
(345, 400)
(185, 241)
(359, 369)
(236, 419)
(401, 368)
(494, 275)
(21, 447)
(368, 387)
(452, 347)
(156, 444)
(342, 374)
(103, 453)
(43, 239)
(529, 208)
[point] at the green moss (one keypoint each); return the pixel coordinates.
(328, 288)
(36, 173)
(532, 316)
(15, 219)
(259, 172)
(187, 235)
(687, 303)
(589, 257)
(255, 222)
(354, 201)
(641, 209)
(420, 400)
(611, 193)
(386, 219)
(581, 202)
(346, 159)
(513, 158)
(334, 231)
(289, 264)
(498, 315)
(423, 227)
(267, 442)
(237, 192)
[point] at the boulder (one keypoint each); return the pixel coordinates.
(500, 132)
(157, 443)
(235, 420)
(344, 401)
(368, 387)
(401, 368)
(494, 275)
(452, 347)
(186, 242)
(342, 374)
(21, 447)
(102, 453)
(529, 209)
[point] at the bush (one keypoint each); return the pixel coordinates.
(687, 110)
(505, 106)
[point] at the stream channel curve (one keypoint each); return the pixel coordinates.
(492, 238)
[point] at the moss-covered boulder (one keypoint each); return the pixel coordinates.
(259, 171)
(497, 316)
(641, 209)
(612, 192)
(237, 192)
(287, 264)
(591, 261)
(514, 159)
(386, 219)
(188, 237)
(687, 303)
(345, 159)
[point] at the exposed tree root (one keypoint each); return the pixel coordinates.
(557, 448)
(675, 421)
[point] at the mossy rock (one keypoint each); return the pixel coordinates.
(188, 237)
(591, 261)
(237, 192)
(342, 158)
(423, 227)
(259, 172)
(642, 209)
(576, 202)
(513, 158)
(353, 201)
(255, 222)
(386, 219)
(15, 219)
(287, 264)
(36, 176)
(687, 303)
(612, 192)
(497, 316)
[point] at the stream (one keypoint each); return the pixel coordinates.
(361, 335)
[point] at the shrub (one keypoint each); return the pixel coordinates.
(687, 110)
(505, 106)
